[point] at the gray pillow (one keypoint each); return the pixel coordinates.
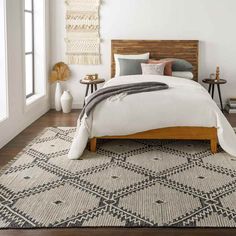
(131, 66)
(180, 64)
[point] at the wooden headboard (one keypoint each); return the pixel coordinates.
(159, 49)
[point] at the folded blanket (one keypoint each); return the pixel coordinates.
(124, 90)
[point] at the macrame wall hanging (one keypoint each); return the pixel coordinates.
(82, 27)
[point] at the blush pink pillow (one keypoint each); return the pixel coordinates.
(168, 66)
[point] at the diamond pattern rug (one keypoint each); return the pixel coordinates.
(125, 184)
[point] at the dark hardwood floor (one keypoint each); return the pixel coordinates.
(231, 118)
(121, 232)
(56, 119)
(51, 119)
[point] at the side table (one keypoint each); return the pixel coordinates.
(211, 89)
(92, 85)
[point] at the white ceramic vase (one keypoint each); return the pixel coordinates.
(66, 102)
(58, 94)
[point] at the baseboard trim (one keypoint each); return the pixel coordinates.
(75, 106)
(14, 133)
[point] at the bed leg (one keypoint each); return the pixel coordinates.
(214, 146)
(93, 145)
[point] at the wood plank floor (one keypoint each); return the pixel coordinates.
(51, 119)
(56, 119)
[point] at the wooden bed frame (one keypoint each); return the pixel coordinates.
(184, 49)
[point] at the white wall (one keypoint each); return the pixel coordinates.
(20, 115)
(210, 21)
(3, 81)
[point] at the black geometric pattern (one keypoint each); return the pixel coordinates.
(125, 184)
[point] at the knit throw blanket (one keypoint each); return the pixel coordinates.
(119, 92)
(82, 27)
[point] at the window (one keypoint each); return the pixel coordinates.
(3, 63)
(29, 48)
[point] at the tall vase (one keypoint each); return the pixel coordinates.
(58, 94)
(66, 102)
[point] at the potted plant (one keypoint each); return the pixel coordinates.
(60, 72)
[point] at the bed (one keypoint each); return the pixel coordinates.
(187, 50)
(196, 122)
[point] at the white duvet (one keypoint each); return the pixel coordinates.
(185, 103)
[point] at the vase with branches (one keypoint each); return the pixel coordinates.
(60, 72)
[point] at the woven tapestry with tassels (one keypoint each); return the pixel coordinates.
(82, 27)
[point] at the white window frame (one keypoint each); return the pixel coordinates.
(40, 54)
(31, 52)
(5, 63)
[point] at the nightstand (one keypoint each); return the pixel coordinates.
(92, 84)
(211, 89)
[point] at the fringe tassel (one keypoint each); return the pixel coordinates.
(84, 59)
(82, 26)
(10, 163)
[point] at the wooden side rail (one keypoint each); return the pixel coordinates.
(178, 133)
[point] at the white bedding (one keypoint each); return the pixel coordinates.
(185, 103)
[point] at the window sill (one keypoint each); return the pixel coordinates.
(2, 119)
(33, 100)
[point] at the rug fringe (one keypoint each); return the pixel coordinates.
(84, 59)
(10, 163)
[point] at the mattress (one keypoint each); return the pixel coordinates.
(185, 103)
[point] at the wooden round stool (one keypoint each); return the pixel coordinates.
(211, 89)
(92, 84)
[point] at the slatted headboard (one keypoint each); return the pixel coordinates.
(159, 49)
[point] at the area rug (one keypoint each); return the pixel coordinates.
(125, 184)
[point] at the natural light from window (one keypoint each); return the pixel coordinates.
(29, 48)
(3, 74)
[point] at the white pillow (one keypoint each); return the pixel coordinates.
(183, 74)
(119, 56)
(153, 69)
